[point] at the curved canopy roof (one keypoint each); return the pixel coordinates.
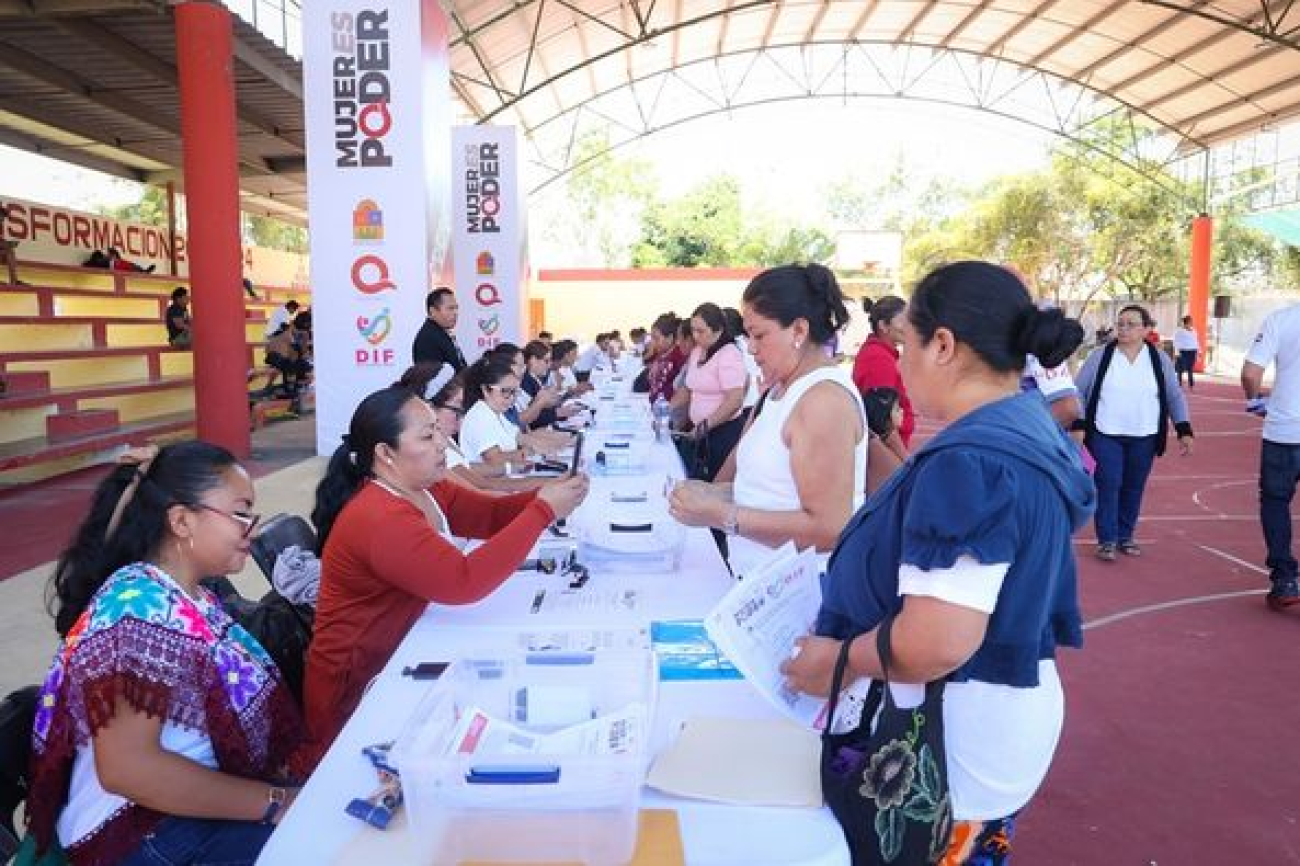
(93, 81)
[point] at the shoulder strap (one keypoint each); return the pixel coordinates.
(1094, 398)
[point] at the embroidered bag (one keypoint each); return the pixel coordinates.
(888, 787)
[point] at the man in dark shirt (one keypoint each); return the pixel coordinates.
(436, 341)
(178, 319)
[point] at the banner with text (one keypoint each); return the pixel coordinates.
(489, 244)
(374, 218)
(62, 236)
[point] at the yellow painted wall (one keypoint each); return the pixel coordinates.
(580, 309)
(19, 424)
(107, 307)
(80, 372)
(44, 338)
(150, 404)
(18, 304)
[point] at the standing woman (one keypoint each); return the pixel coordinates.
(712, 393)
(797, 468)
(877, 363)
(1129, 392)
(387, 522)
(667, 358)
(1188, 346)
(966, 552)
(163, 728)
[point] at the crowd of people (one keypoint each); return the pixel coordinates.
(164, 727)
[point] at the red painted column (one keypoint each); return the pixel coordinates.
(208, 132)
(1198, 294)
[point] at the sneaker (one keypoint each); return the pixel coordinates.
(1106, 552)
(1130, 548)
(1284, 594)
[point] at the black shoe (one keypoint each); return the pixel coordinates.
(1285, 593)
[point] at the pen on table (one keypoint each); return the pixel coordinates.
(537, 600)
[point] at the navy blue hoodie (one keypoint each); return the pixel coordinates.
(1002, 484)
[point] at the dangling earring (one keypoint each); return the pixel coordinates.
(190, 539)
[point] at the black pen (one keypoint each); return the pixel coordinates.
(537, 600)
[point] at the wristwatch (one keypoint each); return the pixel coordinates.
(731, 526)
(275, 800)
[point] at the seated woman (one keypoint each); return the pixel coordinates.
(386, 518)
(487, 433)
(163, 727)
(967, 552)
(448, 403)
(528, 412)
(712, 393)
(798, 465)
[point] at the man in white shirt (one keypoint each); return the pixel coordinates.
(1278, 342)
(594, 358)
(281, 317)
(1187, 347)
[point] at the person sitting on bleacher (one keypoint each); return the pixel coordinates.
(163, 728)
(285, 351)
(117, 263)
(178, 319)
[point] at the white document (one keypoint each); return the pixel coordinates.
(714, 759)
(757, 622)
(478, 733)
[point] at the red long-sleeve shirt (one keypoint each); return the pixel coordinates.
(382, 565)
(877, 367)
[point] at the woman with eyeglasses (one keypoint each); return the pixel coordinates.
(163, 730)
(1129, 390)
(487, 432)
(388, 521)
(449, 408)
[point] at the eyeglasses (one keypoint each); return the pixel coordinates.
(248, 521)
(504, 392)
(455, 410)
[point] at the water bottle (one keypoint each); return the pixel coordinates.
(662, 417)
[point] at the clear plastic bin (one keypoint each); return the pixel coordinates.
(632, 540)
(587, 813)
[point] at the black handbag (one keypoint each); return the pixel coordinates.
(888, 787)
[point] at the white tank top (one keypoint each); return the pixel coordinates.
(764, 479)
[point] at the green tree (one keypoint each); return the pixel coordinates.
(264, 231)
(150, 210)
(708, 227)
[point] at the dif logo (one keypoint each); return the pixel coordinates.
(488, 296)
(375, 330)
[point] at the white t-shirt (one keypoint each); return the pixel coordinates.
(483, 428)
(764, 476)
(592, 359)
(1185, 340)
(1129, 403)
(1054, 384)
(278, 320)
(1000, 739)
(1278, 342)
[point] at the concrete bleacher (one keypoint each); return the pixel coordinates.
(87, 368)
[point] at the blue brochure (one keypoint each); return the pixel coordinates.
(685, 652)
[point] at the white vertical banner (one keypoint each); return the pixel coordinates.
(489, 246)
(366, 67)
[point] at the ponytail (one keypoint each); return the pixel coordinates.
(377, 419)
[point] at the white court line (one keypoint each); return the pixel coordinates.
(1166, 605)
(1196, 497)
(1228, 556)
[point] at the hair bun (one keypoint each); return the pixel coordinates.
(1049, 335)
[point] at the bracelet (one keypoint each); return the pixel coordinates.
(731, 526)
(275, 800)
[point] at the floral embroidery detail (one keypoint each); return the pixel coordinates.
(888, 776)
(140, 597)
(241, 636)
(48, 699)
(187, 617)
(239, 676)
